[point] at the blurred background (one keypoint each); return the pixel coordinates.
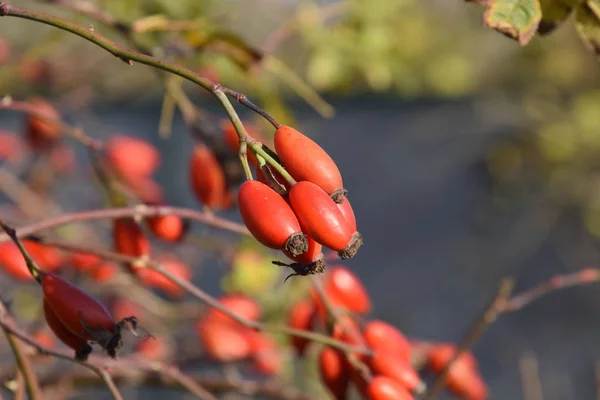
(467, 157)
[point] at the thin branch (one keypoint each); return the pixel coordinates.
(135, 211)
(31, 383)
(126, 55)
(488, 316)
(208, 299)
(78, 134)
(530, 377)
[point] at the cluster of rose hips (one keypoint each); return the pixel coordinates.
(390, 373)
(226, 340)
(301, 214)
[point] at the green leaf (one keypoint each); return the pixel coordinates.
(517, 19)
(587, 22)
(554, 12)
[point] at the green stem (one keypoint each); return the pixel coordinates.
(257, 148)
(239, 128)
(31, 384)
(34, 270)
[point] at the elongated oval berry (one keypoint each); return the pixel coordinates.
(42, 133)
(322, 220)
(348, 214)
(343, 288)
(132, 158)
(384, 388)
(463, 378)
(12, 149)
(305, 160)
(301, 316)
(81, 346)
(244, 306)
(170, 228)
(129, 239)
(222, 341)
(266, 354)
(334, 372)
(270, 219)
(12, 262)
(80, 313)
(384, 337)
(207, 178)
(396, 367)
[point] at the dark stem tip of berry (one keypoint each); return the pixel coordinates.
(339, 195)
(352, 247)
(83, 353)
(114, 344)
(297, 244)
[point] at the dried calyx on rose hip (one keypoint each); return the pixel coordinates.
(270, 219)
(321, 219)
(305, 160)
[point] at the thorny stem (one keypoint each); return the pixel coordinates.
(34, 270)
(31, 383)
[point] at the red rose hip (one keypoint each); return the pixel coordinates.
(305, 160)
(270, 219)
(322, 220)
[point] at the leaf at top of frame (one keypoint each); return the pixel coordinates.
(517, 19)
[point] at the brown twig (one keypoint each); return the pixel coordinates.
(488, 316)
(78, 134)
(530, 377)
(27, 374)
(135, 211)
(208, 299)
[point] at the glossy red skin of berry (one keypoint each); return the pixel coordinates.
(395, 366)
(463, 377)
(301, 316)
(348, 214)
(314, 253)
(334, 373)
(13, 263)
(132, 158)
(129, 238)
(344, 288)
(207, 178)
(155, 279)
(170, 228)
(319, 216)
(71, 305)
(244, 306)
(223, 341)
(266, 354)
(60, 331)
(384, 388)
(384, 337)
(305, 160)
(266, 214)
(42, 133)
